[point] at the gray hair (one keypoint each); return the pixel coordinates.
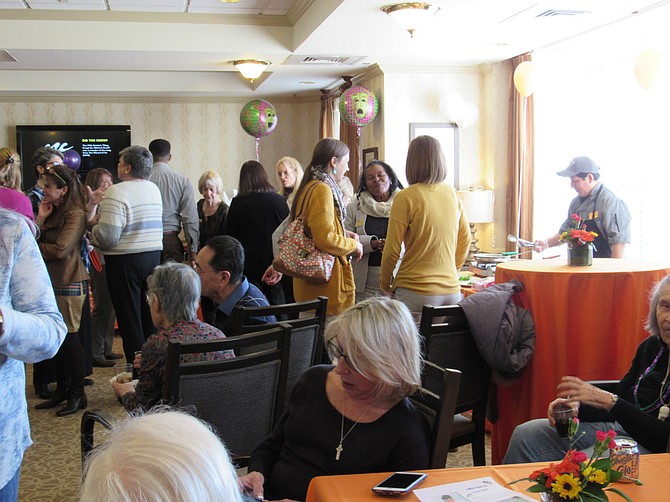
(161, 456)
(139, 159)
(382, 343)
(177, 286)
(212, 179)
(654, 297)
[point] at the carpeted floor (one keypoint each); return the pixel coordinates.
(51, 468)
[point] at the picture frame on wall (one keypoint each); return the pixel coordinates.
(370, 154)
(447, 133)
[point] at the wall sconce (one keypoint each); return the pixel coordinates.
(410, 15)
(250, 68)
(478, 206)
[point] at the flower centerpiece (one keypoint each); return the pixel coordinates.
(578, 477)
(580, 242)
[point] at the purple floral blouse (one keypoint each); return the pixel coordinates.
(149, 389)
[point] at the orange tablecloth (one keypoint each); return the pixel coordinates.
(588, 321)
(358, 487)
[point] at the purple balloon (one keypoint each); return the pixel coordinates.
(72, 159)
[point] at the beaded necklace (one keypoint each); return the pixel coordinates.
(662, 395)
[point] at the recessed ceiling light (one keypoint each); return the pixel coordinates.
(307, 82)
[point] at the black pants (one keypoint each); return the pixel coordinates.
(173, 249)
(70, 365)
(127, 282)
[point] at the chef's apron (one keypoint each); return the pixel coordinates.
(602, 248)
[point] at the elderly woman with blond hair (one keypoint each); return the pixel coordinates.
(366, 423)
(429, 219)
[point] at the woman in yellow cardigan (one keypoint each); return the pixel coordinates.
(318, 200)
(429, 219)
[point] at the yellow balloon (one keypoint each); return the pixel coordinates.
(525, 78)
(646, 66)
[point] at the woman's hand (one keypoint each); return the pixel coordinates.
(561, 402)
(44, 210)
(121, 389)
(352, 235)
(378, 245)
(576, 389)
(95, 197)
(252, 484)
(358, 254)
(271, 276)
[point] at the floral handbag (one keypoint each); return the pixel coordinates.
(299, 257)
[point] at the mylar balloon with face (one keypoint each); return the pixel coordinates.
(258, 118)
(72, 159)
(358, 106)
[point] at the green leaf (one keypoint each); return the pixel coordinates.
(522, 479)
(620, 493)
(537, 489)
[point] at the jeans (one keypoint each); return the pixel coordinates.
(537, 441)
(10, 492)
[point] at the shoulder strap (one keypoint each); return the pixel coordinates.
(304, 199)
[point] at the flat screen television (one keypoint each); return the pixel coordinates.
(84, 147)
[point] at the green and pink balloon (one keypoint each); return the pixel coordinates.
(358, 107)
(259, 119)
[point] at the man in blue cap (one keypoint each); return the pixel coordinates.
(599, 209)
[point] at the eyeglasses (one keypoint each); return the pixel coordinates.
(149, 297)
(199, 270)
(335, 353)
(50, 170)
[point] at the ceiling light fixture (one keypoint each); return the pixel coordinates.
(250, 68)
(410, 15)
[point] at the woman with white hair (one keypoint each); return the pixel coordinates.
(365, 421)
(163, 456)
(173, 293)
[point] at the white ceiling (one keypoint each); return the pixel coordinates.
(182, 47)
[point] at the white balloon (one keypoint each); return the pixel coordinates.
(525, 78)
(470, 115)
(452, 105)
(646, 66)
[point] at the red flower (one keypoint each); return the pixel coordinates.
(600, 436)
(581, 235)
(575, 217)
(577, 456)
(611, 434)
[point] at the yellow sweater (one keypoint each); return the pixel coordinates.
(319, 214)
(430, 220)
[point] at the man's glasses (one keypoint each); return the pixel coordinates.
(335, 352)
(50, 170)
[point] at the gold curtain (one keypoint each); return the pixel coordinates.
(521, 164)
(327, 122)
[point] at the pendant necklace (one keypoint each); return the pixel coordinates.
(343, 436)
(664, 410)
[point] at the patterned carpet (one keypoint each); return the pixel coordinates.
(51, 468)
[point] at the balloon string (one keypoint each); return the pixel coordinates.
(358, 132)
(257, 157)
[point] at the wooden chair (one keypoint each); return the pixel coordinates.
(242, 397)
(437, 401)
(306, 333)
(448, 343)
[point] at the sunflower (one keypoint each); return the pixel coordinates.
(567, 486)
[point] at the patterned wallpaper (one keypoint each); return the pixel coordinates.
(204, 135)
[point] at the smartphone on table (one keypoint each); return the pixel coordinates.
(399, 483)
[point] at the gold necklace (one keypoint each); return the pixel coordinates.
(664, 410)
(343, 436)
